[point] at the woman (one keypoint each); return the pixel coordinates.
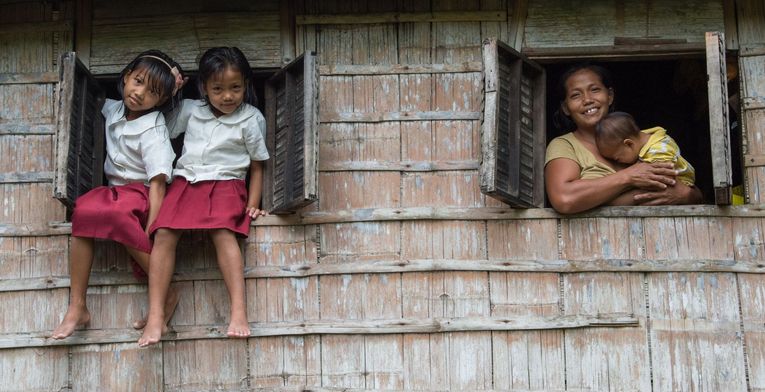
(577, 177)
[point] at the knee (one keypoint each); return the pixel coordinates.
(166, 237)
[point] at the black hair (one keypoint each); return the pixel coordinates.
(159, 77)
(562, 121)
(215, 60)
(615, 127)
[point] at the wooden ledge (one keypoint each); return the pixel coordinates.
(333, 327)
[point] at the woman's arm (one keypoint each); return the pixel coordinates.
(678, 194)
(157, 188)
(255, 190)
(569, 194)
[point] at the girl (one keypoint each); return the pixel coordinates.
(138, 164)
(224, 140)
(577, 176)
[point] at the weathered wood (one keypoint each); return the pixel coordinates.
(398, 69)
(403, 17)
(752, 103)
(719, 127)
(633, 52)
(35, 370)
(127, 365)
(222, 366)
(37, 27)
(28, 78)
(26, 129)
(397, 116)
(22, 177)
(404, 166)
(328, 327)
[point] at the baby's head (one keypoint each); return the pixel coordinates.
(150, 82)
(225, 79)
(618, 138)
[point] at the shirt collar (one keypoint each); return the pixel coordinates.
(241, 114)
(137, 126)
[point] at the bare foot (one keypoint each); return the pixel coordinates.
(77, 316)
(170, 304)
(238, 328)
(152, 333)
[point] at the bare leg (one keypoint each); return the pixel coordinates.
(80, 262)
(232, 267)
(161, 267)
(142, 258)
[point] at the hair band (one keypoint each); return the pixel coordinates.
(173, 70)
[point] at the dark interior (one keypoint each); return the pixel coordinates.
(668, 93)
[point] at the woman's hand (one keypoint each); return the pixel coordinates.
(678, 194)
(651, 176)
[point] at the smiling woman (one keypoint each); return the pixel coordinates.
(577, 176)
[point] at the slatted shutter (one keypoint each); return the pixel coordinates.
(79, 132)
(512, 133)
(719, 128)
(292, 114)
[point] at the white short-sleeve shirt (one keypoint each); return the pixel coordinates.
(218, 148)
(136, 150)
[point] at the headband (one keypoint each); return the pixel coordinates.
(173, 70)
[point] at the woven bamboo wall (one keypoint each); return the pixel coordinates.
(403, 276)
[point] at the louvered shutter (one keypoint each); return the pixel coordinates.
(79, 132)
(292, 113)
(719, 127)
(512, 133)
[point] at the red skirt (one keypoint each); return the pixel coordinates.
(205, 205)
(115, 213)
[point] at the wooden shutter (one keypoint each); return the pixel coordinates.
(719, 130)
(512, 134)
(292, 117)
(79, 132)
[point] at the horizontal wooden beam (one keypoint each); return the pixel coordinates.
(754, 160)
(26, 129)
(352, 117)
(615, 51)
(399, 69)
(36, 27)
(751, 103)
(403, 17)
(403, 166)
(331, 327)
(406, 266)
(28, 78)
(32, 230)
(25, 177)
(750, 51)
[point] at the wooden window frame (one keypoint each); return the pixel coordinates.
(494, 50)
(292, 144)
(80, 146)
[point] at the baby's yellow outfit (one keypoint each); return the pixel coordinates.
(662, 148)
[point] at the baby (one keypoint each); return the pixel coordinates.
(619, 138)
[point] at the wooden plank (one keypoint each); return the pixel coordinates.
(402, 17)
(752, 296)
(32, 257)
(84, 30)
(425, 188)
(719, 131)
(25, 204)
(287, 30)
(35, 370)
(692, 315)
(204, 365)
(403, 166)
(290, 361)
(26, 177)
(342, 361)
(125, 364)
(399, 69)
(359, 142)
(384, 362)
(30, 104)
(26, 156)
(273, 300)
(610, 52)
(752, 103)
(750, 29)
(37, 27)
(26, 129)
(326, 117)
(330, 327)
(354, 185)
(29, 78)
(15, 316)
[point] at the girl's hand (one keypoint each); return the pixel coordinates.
(254, 212)
(651, 176)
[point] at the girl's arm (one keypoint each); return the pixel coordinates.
(569, 194)
(157, 187)
(255, 190)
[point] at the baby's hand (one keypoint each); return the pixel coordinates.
(254, 212)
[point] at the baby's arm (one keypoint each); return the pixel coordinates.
(157, 188)
(255, 190)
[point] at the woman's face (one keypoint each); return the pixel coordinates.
(587, 98)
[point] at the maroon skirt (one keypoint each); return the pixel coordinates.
(205, 205)
(116, 213)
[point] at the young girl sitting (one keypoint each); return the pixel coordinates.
(139, 161)
(619, 138)
(225, 138)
